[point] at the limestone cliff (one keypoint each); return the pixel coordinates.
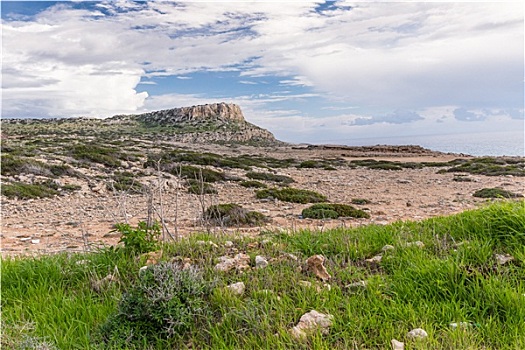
(216, 111)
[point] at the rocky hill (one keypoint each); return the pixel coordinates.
(210, 123)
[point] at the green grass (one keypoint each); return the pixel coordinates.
(281, 179)
(333, 211)
(453, 278)
(495, 193)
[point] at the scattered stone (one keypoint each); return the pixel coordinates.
(502, 259)
(361, 285)
(310, 322)
(35, 241)
(228, 244)
(387, 248)
(210, 243)
(418, 244)
(315, 264)
(143, 268)
(306, 284)
(260, 262)
(397, 345)
(239, 262)
(404, 181)
(417, 333)
(25, 239)
(237, 288)
(375, 259)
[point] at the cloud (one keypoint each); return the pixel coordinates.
(398, 117)
(467, 116)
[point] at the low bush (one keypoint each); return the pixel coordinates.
(333, 211)
(200, 187)
(495, 193)
(166, 302)
(282, 179)
(97, 154)
(489, 166)
(141, 239)
(252, 184)
(196, 173)
(360, 201)
(232, 214)
(292, 195)
(125, 182)
(28, 191)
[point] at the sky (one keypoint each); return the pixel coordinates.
(316, 72)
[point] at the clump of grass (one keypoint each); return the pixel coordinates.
(252, 184)
(333, 211)
(318, 164)
(200, 187)
(292, 195)
(231, 214)
(495, 193)
(385, 164)
(13, 165)
(282, 179)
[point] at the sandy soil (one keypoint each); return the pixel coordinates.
(84, 220)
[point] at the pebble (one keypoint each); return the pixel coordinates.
(397, 345)
(35, 241)
(417, 333)
(312, 321)
(237, 288)
(387, 247)
(502, 259)
(260, 262)
(375, 259)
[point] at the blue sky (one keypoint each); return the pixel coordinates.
(308, 71)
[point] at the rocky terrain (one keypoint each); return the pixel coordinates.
(65, 183)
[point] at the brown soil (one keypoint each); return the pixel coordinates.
(84, 220)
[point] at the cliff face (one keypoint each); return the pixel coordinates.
(216, 111)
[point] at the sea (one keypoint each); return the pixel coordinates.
(479, 144)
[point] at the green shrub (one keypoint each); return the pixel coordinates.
(142, 239)
(232, 214)
(360, 201)
(292, 195)
(253, 184)
(97, 154)
(200, 187)
(333, 211)
(125, 182)
(196, 173)
(166, 302)
(495, 193)
(283, 179)
(27, 191)
(489, 166)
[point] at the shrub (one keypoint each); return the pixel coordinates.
(232, 214)
(124, 181)
(200, 187)
(97, 154)
(196, 173)
(495, 193)
(360, 201)
(283, 179)
(166, 301)
(142, 239)
(253, 184)
(333, 211)
(27, 191)
(292, 195)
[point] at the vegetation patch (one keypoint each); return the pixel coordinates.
(232, 214)
(124, 182)
(42, 189)
(13, 165)
(200, 187)
(495, 193)
(292, 195)
(360, 201)
(490, 166)
(282, 179)
(385, 164)
(196, 173)
(252, 184)
(320, 164)
(333, 211)
(106, 156)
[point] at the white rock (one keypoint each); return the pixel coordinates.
(35, 241)
(228, 244)
(306, 284)
(375, 259)
(397, 345)
(357, 285)
(25, 239)
(417, 333)
(237, 288)
(312, 321)
(260, 262)
(143, 268)
(418, 244)
(502, 259)
(387, 248)
(239, 262)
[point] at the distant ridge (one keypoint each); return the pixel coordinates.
(209, 123)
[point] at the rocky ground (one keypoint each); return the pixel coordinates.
(84, 219)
